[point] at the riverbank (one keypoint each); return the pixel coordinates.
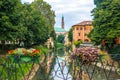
(43, 68)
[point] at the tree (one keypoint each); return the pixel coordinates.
(61, 38)
(46, 12)
(70, 35)
(37, 31)
(98, 2)
(41, 22)
(10, 20)
(38, 18)
(53, 34)
(29, 23)
(77, 43)
(106, 23)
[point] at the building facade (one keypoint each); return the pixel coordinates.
(60, 30)
(81, 30)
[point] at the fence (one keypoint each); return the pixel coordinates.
(60, 67)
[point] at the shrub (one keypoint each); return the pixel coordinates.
(86, 54)
(115, 50)
(77, 43)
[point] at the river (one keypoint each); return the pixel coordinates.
(62, 71)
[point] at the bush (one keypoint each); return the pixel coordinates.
(85, 55)
(77, 43)
(43, 49)
(115, 50)
(60, 45)
(60, 38)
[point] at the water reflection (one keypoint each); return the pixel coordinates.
(61, 70)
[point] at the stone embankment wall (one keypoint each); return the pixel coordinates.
(47, 66)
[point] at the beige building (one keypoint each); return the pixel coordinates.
(66, 40)
(50, 42)
(81, 30)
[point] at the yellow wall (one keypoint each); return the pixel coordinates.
(80, 32)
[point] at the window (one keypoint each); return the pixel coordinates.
(86, 40)
(78, 34)
(81, 28)
(84, 28)
(85, 34)
(77, 28)
(79, 40)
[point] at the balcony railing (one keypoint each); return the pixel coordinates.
(60, 67)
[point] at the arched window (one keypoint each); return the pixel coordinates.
(79, 40)
(86, 40)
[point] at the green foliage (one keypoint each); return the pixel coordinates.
(14, 69)
(98, 2)
(70, 35)
(77, 43)
(38, 26)
(46, 12)
(60, 46)
(53, 34)
(106, 23)
(9, 19)
(43, 49)
(68, 47)
(115, 50)
(60, 38)
(29, 23)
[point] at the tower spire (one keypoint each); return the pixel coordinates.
(62, 23)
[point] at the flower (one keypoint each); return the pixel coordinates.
(86, 54)
(35, 52)
(23, 51)
(11, 52)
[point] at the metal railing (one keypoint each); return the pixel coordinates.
(60, 67)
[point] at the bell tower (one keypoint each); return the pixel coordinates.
(62, 22)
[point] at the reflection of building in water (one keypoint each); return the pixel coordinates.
(62, 64)
(66, 40)
(50, 43)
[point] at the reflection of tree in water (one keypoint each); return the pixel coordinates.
(60, 52)
(43, 73)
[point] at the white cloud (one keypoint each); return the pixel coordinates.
(53, 1)
(74, 11)
(23, 1)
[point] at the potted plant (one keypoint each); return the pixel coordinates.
(86, 55)
(24, 55)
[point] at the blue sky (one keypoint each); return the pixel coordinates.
(74, 11)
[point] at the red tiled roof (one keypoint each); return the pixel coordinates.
(84, 23)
